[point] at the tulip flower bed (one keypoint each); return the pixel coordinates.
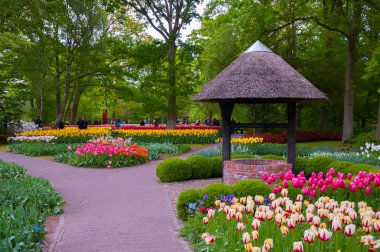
(71, 135)
(104, 156)
(183, 136)
(247, 140)
(46, 139)
(337, 185)
(283, 224)
(163, 127)
(302, 136)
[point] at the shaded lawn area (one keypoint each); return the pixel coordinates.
(336, 144)
(198, 146)
(3, 148)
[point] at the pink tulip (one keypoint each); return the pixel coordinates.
(334, 185)
(368, 190)
(331, 171)
(366, 181)
(281, 175)
(313, 193)
(376, 181)
(340, 175)
(306, 191)
(323, 189)
(352, 187)
(313, 175)
(360, 185)
(265, 176)
(285, 184)
(349, 176)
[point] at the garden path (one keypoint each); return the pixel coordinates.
(108, 210)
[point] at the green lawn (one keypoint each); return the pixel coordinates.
(336, 144)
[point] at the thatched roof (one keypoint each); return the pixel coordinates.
(259, 75)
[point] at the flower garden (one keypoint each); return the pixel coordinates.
(103, 147)
(330, 203)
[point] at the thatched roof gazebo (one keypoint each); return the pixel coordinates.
(259, 76)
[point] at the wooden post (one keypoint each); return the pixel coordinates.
(226, 110)
(292, 124)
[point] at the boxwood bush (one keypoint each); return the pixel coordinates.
(355, 168)
(184, 199)
(341, 166)
(251, 187)
(214, 191)
(173, 169)
(200, 167)
(216, 167)
(318, 164)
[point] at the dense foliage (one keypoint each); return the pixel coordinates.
(25, 203)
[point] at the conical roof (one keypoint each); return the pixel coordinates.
(259, 75)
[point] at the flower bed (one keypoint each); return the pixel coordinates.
(104, 156)
(337, 185)
(283, 224)
(32, 139)
(70, 135)
(301, 135)
(187, 136)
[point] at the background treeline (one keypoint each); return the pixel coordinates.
(61, 59)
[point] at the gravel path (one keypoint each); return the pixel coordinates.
(108, 210)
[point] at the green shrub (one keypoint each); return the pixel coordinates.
(302, 164)
(341, 166)
(216, 167)
(25, 202)
(200, 167)
(274, 157)
(355, 168)
(367, 137)
(184, 199)
(214, 191)
(319, 164)
(173, 169)
(251, 187)
(11, 171)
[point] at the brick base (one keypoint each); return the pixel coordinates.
(240, 169)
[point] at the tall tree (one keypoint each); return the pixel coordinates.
(346, 18)
(167, 17)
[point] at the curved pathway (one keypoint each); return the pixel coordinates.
(109, 210)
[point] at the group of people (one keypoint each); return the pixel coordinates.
(38, 122)
(82, 123)
(213, 122)
(154, 123)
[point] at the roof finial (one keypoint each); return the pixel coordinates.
(258, 47)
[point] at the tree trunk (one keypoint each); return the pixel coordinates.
(348, 115)
(69, 60)
(378, 124)
(74, 110)
(172, 111)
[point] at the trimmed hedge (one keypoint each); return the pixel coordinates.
(355, 168)
(216, 167)
(251, 187)
(200, 167)
(215, 191)
(341, 166)
(173, 169)
(274, 157)
(318, 164)
(186, 197)
(302, 164)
